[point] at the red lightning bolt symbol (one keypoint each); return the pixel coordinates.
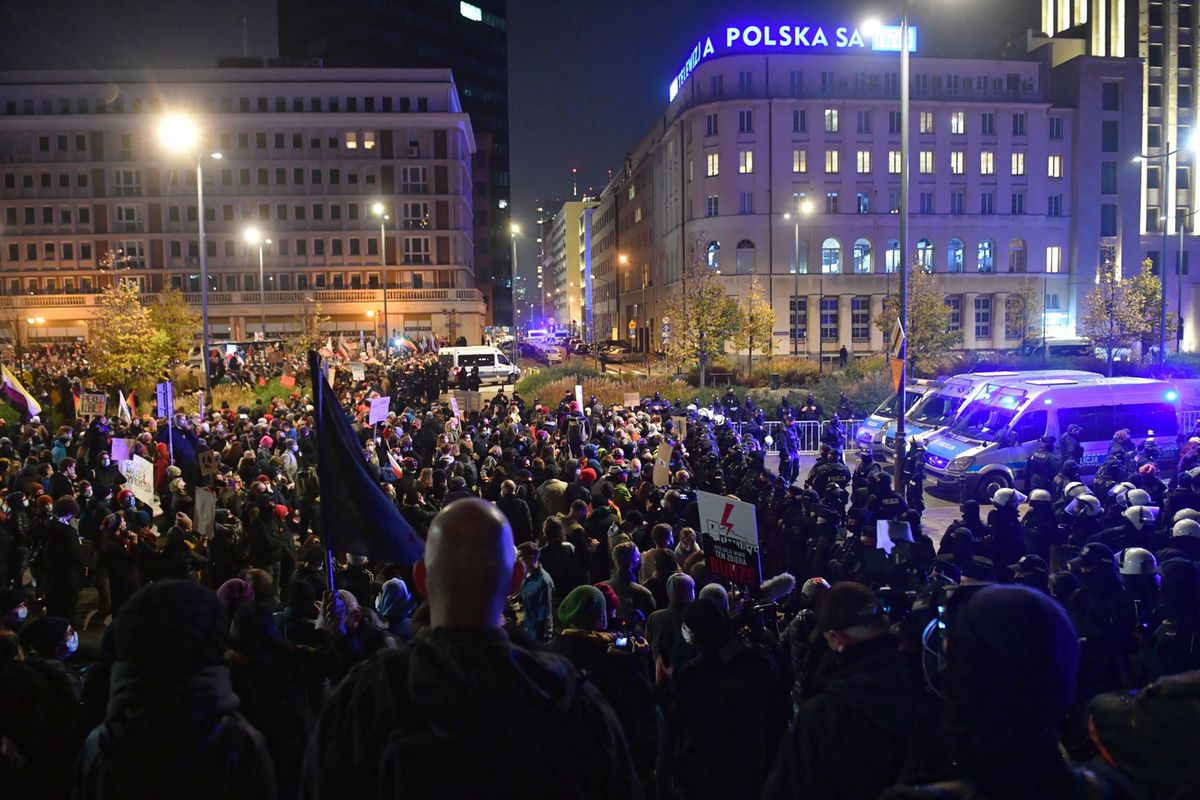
(725, 523)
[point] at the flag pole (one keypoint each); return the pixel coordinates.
(318, 384)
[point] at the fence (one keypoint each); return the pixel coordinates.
(1190, 420)
(809, 432)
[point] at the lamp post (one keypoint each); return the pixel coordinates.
(180, 133)
(378, 209)
(1184, 221)
(255, 238)
(804, 209)
(514, 230)
(902, 316)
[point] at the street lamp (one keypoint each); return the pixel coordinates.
(871, 28)
(378, 209)
(624, 259)
(180, 134)
(804, 209)
(514, 230)
(254, 238)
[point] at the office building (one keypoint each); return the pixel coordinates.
(567, 263)
(1021, 183)
(87, 192)
(471, 39)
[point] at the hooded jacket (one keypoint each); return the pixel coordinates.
(456, 714)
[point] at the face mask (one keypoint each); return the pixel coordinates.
(687, 635)
(22, 612)
(72, 643)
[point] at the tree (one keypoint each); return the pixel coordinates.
(309, 337)
(1143, 296)
(703, 317)
(1108, 321)
(174, 318)
(1023, 310)
(124, 346)
(929, 336)
(756, 324)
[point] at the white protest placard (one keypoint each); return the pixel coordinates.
(729, 538)
(579, 395)
(680, 425)
(206, 511)
(139, 478)
(120, 449)
(357, 372)
(92, 404)
(379, 410)
(632, 399)
(454, 406)
(890, 531)
(662, 465)
(166, 399)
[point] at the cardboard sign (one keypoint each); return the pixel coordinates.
(579, 395)
(139, 478)
(200, 402)
(454, 406)
(632, 399)
(288, 381)
(92, 405)
(680, 425)
(379, 410)
(662, 465)
(358, 372)
(166, 399)
(205, 511)
(121, 448)
(208, 461)
(729, 538)
(468, 401)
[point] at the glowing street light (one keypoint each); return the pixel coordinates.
(254, 238)
(379, 210)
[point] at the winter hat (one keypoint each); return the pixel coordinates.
(1137, 497)
(110, 524)
(174, 472)
(1007, 498)
(715, 593)
(849, 605)
(708, 623)
(587, 476)
(44, 635)
(1012, 656)
(395, 601)
(233, 594)
(266, 442)
(1186, 527)
(583, 607)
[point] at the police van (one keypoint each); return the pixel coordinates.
(492, 363)
(990, 441)
(938, 408)
(869, 433)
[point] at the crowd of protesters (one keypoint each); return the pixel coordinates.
(563, 634)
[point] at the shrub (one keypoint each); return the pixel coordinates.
(531, 385)
(791, 371)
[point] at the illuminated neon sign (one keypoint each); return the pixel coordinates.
(791, 38)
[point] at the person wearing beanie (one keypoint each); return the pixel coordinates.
(872, 698)
(728, 681)
(1011, 658)
(462, 688)
(172, 727)
(395, 605)
(664, 625)
(233, 594)
(64, 565)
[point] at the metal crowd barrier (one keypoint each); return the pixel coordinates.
(808, 430)
(1190, 420)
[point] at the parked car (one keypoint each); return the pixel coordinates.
(622, 353)
(554, 354)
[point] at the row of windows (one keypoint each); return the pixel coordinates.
(862, 263)
(926, 162)
(829, 317)
(831, 120)
(925, 203)
(234, 282)
(888, 83)
(228, 105)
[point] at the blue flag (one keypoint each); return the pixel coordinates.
(354, 509)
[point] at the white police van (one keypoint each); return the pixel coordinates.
(869, 433)
(492, 363)
(987, 446)
(939, 407)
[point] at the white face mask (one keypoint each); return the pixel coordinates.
(72, 643)
(22, 612)
(686, 632)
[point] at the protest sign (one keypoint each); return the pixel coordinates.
(680, 425)
(207, 460)
(120, 449)
(632, 399)
(92, 405)
(454, 406)
(166, 399)
(579, 395)
(729, 538)
(662, 464)
(357, 372)
(139, 478)
(205, 511)
(288, 381)
(379, 410)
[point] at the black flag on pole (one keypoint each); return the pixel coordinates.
(354, 509)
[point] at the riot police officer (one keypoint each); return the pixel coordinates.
(1042, 466)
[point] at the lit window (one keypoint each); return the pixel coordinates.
(926, 122)
(351, 141)
(958, 122)
(926, 162)
(831, 162)
(1054, 167)
(799, 160)
(713, 164)
(1054, 259)
(956, 162)
(893, 162)
(987, 163)
(369, 140)
(831, 120)
(1018, 163)
(471, 12)
(864, 162)
(746, 162)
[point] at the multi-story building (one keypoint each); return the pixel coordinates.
(304, 155)
(567, 262)
(1021, 182)
(469, 38)
(1163, 34)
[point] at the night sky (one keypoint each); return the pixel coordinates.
(586, 78)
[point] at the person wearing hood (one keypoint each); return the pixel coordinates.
(1104, 614)
(63, 560)
(1173, 646)
(1042, 466)
(436, 717)
(1011, 656)
(636, 602)
(872, 699)
(395, 606)
(172, 728)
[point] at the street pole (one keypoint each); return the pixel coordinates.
(793, 306)
(513, 295)
(1162, 305)
(262, 298)
(901, 405)
(387, 333)
(1179, 287)
(203, 269)
(1045, 344)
